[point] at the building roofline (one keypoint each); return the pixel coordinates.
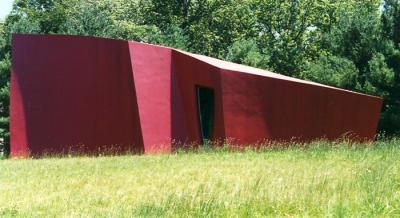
(225, 65)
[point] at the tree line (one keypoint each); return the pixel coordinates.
(344, 43)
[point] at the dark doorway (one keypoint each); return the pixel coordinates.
(205, 103)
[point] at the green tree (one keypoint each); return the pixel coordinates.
(49, 14)
(91, 18)
(209, 27)
(391, 20)
(215, 25)
(332, 70)
(390, 48)
(290, 31)
(247, 52)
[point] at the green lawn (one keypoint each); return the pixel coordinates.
(319, 181)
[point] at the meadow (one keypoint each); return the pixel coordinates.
(320, 179)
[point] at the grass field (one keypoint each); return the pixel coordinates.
(322, 180)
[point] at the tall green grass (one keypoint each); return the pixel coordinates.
(317, 180)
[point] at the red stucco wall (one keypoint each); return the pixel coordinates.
(92, 95)
(191, 73)
(72, 94)
(152, 77)
(258, 108)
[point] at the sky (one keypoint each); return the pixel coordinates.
(5, 8)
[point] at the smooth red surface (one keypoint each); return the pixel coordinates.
(283, 110)
(190, 73)
(72, 94)
(153, 84)
(92, 95)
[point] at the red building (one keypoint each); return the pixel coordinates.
(91, 95)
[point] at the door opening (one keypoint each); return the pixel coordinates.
(205, 104)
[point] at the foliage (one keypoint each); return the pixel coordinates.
(322, 180)
(89, 18)
(344, 43)
(247, 52)
(332, 70)
(290, 31)
(379, 76)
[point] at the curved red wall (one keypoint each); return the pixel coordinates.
(72, 94)
(92, 95)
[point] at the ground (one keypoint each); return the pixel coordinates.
(322, 180)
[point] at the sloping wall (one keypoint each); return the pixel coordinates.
(258, 108)
(152, 77)
(91, 95)
(191, 73)
(72, 94)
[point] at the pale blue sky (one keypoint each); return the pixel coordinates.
(5, 8)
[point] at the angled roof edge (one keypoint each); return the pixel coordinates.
(225, 65)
